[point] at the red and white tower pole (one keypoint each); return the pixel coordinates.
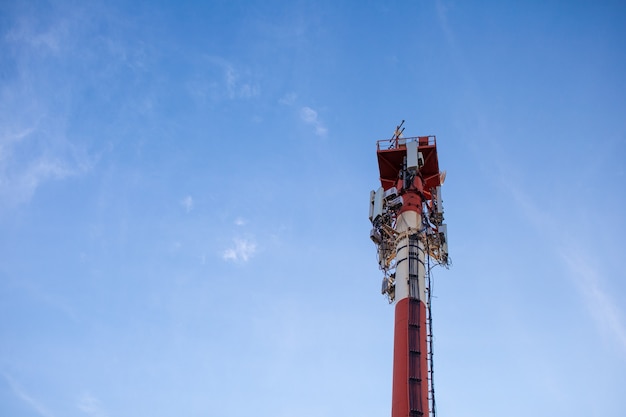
(410, 367)
(407, 216)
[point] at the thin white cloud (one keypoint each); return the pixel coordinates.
(18, 182)
(34, 145)
(28, 399)
(588, 279)
(247, 90)
(309, 116)
(27, 33)
(9, 139)
(288, 99)
(44, 297)
(442, 13)
(20, 177)
(239, 221)
(187, 203)
(90, 406)
(236, 85)
(599, 302)
(242, 250)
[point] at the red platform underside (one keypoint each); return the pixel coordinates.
(410, 367)
(390, 163)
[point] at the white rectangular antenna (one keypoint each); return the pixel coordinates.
(411, 155)
(438, 200)
(378, 204)
(391, 193)
(443, 233)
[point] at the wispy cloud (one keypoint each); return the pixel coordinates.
(235, 83)
(35, 147)
(8, 139)
(238, 88)
(309, 116)
(45, 297)
(442, 14)
(240, 221)
(587, 278)
(50, 39)
(217, 79)
(288, 99)
(90, 406)
(187, 203)
(242, 250)
(21, 175)
(28, 399)
(599, 302)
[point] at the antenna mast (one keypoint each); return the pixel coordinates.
(406, 212)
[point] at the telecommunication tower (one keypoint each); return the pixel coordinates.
(407, 217)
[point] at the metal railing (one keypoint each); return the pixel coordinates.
(396, 142)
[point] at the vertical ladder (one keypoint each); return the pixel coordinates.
(429, 338)
(415, 383)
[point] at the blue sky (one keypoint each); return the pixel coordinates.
(184, 194)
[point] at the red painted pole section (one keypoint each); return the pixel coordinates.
(410, 367)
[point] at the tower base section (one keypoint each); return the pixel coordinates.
(410, 360)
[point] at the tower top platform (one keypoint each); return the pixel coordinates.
(391, 154)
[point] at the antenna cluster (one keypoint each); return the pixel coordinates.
(413, 177)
